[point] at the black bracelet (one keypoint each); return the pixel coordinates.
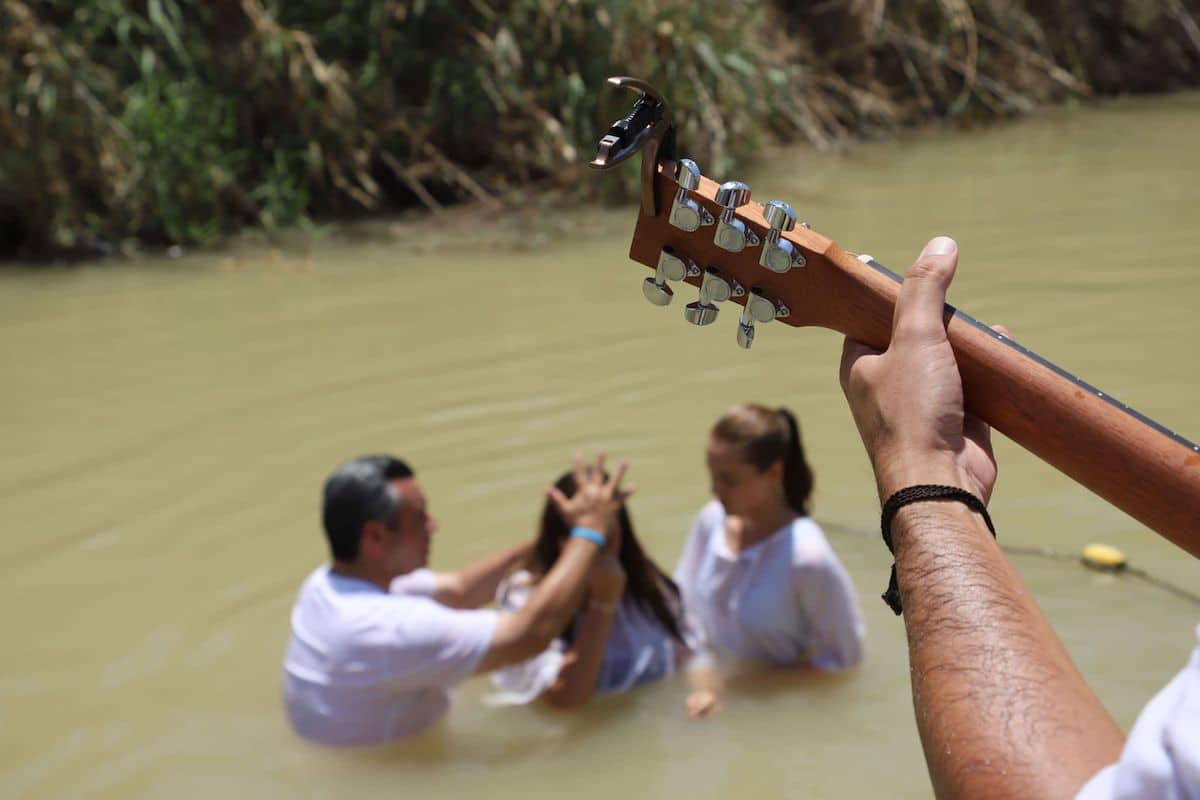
(914, 494)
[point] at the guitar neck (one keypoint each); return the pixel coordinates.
(1146, 470)
(1127, 459)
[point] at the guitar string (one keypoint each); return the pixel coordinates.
(1079, 382)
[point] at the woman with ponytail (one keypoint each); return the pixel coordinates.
(759, 581)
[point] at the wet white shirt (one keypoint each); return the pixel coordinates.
(1161, 758)
(784, 601)
(638, 651)
(365, 666)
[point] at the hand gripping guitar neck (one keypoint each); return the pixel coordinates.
(694, 230)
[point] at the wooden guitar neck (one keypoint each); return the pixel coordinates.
(1122, 456)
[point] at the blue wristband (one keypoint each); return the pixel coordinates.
(591, 535)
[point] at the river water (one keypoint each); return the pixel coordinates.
(168, 422)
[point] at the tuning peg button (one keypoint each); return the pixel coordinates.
(686, 214)
(759, 308)
(657, 293)
(671, 267)
(732, 194)
(731, 233)
(714, 289)
(779, 255)
(700, 313)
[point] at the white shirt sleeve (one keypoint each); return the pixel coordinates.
(1161, 758)
(418, 583)
(687, 578)
(439, 646)
(828, 601)
(689, 559)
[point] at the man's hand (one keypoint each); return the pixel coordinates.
(908, 400)
(597, 498)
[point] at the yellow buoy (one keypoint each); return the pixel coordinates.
(1103, 557)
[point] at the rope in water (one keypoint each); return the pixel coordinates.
(1100, 558)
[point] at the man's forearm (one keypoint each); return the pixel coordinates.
(475, 584)
(556, 598)
(1001, 709)
(551, 605)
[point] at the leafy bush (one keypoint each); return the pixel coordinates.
(171, 121)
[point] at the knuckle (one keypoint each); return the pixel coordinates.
(924, 268)
(914, 327)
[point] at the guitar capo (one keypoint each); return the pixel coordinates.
(647, 127)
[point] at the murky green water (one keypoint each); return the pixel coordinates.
(167, 425)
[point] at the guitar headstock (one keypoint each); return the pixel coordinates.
(694, 230)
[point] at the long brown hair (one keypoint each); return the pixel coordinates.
(651, 588)
(765, 436)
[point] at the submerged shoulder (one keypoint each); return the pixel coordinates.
(810, 548)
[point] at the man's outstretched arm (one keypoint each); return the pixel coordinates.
(475, 584)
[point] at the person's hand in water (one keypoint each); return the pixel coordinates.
(707, 683)
(702, 703)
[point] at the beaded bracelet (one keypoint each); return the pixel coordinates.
(914, 494)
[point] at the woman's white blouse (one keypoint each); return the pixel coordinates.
(785, 601)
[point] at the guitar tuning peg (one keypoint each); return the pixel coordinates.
(779, 255)
(714, 288)
(671, 267)
(732, 234)
(758, 308)
(686, 214)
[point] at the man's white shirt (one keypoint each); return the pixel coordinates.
(365, 666)
(1161, 758)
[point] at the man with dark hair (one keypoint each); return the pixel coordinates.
(378, 639)
(356, 492)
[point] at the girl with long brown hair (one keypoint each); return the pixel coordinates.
(628, 632)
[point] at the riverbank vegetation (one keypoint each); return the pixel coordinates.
(169, 121)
